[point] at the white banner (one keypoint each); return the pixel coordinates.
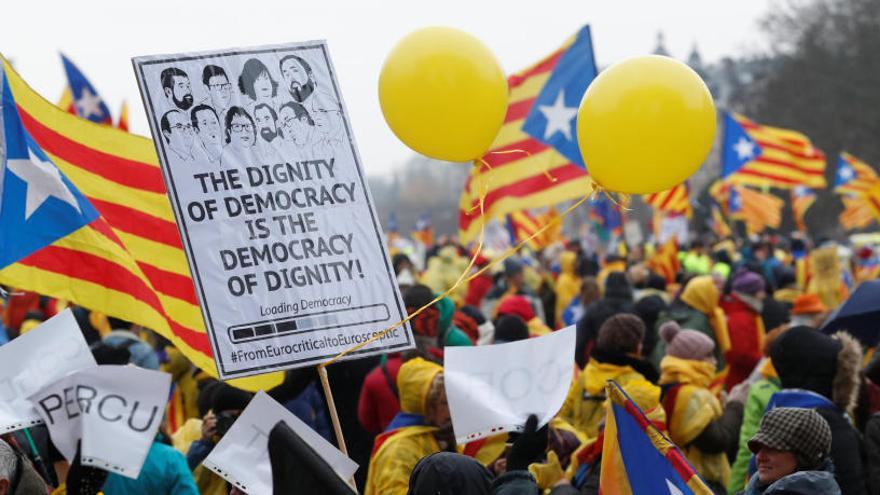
(274, 212)
(242, 455)
(676, 226)
(493, 389)
(115, 411)
(32, 361)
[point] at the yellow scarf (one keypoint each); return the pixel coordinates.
(702, 295)
(686, 371)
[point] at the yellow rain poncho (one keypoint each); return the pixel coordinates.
(396, 452)
(568, 285)
(584, 405)
(690, 408)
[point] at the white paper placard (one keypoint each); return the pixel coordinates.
(114, 410)
(242, 455)
(493, 389)
(276, 218)
(32, 361)
(674, 226)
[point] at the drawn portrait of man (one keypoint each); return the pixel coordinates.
(299, 80)
(240, 136)
(218, 88)
(206, 124)
(177, 88)
(177, 131)
(296, 129)
(267, 130)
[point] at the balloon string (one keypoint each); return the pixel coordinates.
(622, 202)
(483, 192)
(506, 254)
(544, 170)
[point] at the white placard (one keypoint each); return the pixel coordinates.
(32, 361)
(114, 410)
(632, 233)
(676, 226)
(493, 389)
(273, 208)
(242, 455)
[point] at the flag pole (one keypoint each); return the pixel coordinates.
(331, 405)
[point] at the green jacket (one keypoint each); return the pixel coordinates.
(759, 396)
(687, 318)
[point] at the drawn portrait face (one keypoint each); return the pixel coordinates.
(179, 131)
(208, 127)
(263, 86)
(220, 91)
(294, 127)
(296, 79)
(181, 92)
(326, 121)
(241, 131)
(265, 120)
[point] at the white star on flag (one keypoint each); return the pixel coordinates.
(88, 104)
(846, 173)
(673, 490)
(744, 148)
(558, 117)
(42, 180)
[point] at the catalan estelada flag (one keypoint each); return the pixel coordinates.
(665, 261)
(719, 224)
(122, 123)
(606, 215)
(872, 199)
(801, 200)
(534, 161)
(854, 177)
(84, 217)
(521, 226)
(761, 156)
(80, 97)
(856, 214)
(675, 200)
(637, 458)
(758, 210)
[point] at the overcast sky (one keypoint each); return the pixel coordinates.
(102, 36)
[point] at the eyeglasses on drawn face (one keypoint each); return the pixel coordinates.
(242, 127)
(182, 127)
(220, 87)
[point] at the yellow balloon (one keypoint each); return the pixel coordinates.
(443, 94)
(645, 125)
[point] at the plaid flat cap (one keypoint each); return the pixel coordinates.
(792, 429)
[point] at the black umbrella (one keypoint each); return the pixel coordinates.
(859, 314)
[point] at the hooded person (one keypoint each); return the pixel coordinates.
(568, 284)
(617, 357)
(420, 429)
(792, 448)
(448, 473)
(697, 422)
(512, 283)
(786, 281)
(697, 308)
(743, 308)
(17, 474)
(485, 327)
(617, 298)
(520, 306)
(826, 277)
(821, 372)
(443, 272)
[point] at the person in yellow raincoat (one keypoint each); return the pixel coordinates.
(444, 270)
(697, 422)
(616, 356)
(826, 277)
(421, 428)
(568, 285)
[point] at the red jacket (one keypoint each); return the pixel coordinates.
(378, 403)
(477, 290)
(745, 351)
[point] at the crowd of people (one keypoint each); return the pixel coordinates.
(723, 354)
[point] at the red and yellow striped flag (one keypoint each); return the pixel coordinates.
(674, 200)
(129, 262)
(760, 155)
(719, 225)
(856, 214)
(520, 172)
(758, 210)
(802, 198)
(872, 198)
(665, 261)
(854, 176)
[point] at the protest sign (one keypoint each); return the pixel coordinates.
(632, 233)
(493, 389)
(114, 411)
(242, 456)
(33, 360)
(673, 226)
(276, 219)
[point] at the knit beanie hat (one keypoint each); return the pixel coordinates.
(686, 344)
(516, 305)
(622, 333)
(748, 283)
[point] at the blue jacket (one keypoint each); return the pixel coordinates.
(165, 472)
(798, 483)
